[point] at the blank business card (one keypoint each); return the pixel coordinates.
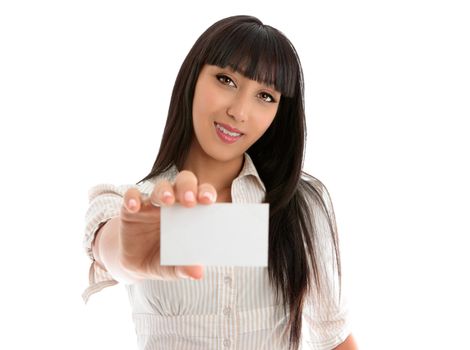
(221, 234)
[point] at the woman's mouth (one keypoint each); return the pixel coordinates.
(227, 134)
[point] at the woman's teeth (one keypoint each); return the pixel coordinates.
(225, 131)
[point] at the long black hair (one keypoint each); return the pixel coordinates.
(262, 53)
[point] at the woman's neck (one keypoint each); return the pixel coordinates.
(219, 174)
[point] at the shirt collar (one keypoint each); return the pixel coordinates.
(248, 169)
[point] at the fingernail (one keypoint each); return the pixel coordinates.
(132, 203)
(167, 195)
(189, 196)
(208, 195)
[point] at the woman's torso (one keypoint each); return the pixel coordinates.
(231, 307)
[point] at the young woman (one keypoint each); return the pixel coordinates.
(235, 133)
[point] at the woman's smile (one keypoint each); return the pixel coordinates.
(226, 133)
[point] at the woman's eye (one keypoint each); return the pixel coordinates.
(266, 97)
(225, 80)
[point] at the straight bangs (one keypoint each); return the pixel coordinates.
(259, 52)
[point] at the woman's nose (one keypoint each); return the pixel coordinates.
(239, 108)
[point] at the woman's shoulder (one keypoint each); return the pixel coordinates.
(315, 195)
(315, 191)
(108, 189)
(144, 186)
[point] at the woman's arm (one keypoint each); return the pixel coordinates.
(105, 250)
(348, 344)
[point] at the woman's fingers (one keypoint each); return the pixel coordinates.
(194, 272)
(162, 194)
(132, 200)
(186, 188)
(206, 194)
(185, 191)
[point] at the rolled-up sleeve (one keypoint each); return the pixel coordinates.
(105, 202)
(325, 319)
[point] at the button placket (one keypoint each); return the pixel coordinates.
(228, 280)
(227, 309)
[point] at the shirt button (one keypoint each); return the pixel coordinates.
(228, 280)
(227, 311)
(227, 343)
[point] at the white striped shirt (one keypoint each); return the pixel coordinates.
(231, 307)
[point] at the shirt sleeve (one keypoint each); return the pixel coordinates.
(105, 202)
(324, 318)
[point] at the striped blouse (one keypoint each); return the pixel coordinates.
(231, 307)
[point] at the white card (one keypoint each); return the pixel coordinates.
(220, 234)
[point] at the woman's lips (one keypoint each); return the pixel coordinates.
(229, 128)
(226, 133)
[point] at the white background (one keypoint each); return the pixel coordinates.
(84, 91)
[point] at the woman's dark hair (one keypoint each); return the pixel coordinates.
(264, 54)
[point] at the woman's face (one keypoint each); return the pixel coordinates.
(230, 112)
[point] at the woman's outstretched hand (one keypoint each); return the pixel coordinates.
(139, 231)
